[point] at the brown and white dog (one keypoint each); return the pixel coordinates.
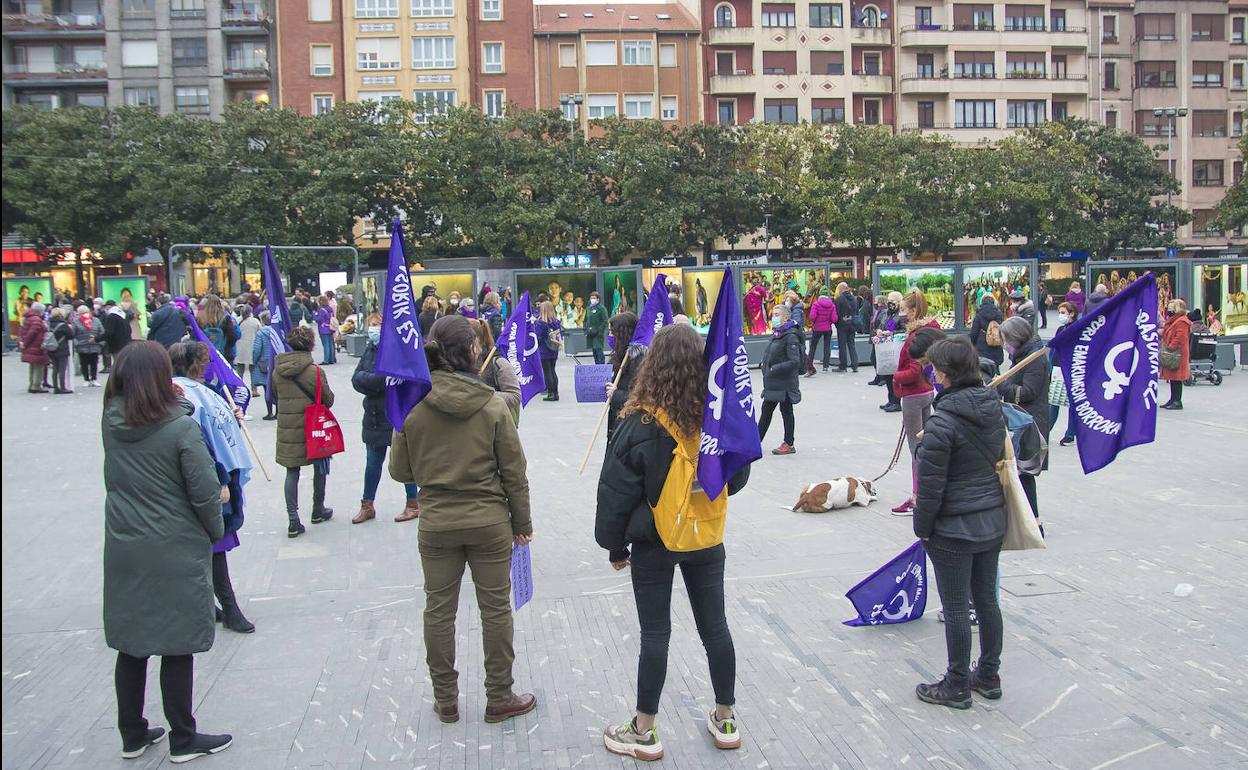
(837, 493)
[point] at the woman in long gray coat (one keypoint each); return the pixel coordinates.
(162, 512)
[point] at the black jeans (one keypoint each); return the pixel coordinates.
(60, 372)
(653, 570)
(815, 337)
(786, 417)
(177, 673)
(552, 377)
(600, 357)
(960, 577)
(292, 492)
(1176, 392)
(1029, 488)
(90, 363)
(846, 352)
(1044, 315)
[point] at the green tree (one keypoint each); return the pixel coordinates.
(718, 193)
(791, 188)
(1232, 211)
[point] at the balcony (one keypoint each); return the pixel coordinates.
(53, 74)
(864, 82)
(54, 25)
(1045, 84)
(740, 82)
(247, 68)
(871, 35)
(939, 36)
(244, 19)
(731, 35)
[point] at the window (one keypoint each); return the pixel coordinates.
(491, 10)
(975, 113)
(138, 53)
(925, 65)
(724, 17)
(600, 53)
(1208, 123)
(868, 17)
(1206, 74)
(1021, 114)
(1237, 76)
(1237, 124)
(1237, 29)
(1155, 26)
(827, 62)
(91, 99)
(668, 106)
(1111, 118)
(190, 51)
(826, 15)
(974, 64)
(1109, 28)
(1019, 18)
(377, 53)
(967, 16)
(1061, 110)
(603, 106)
(320, 10)
(638, 53)
(927, 114)
(827, 111)
(1207, 26)
(376, 9)
(727, 112)
(322, 61)
(1024, 65)
(322, 103)
(567, 55)
(1154, 74)
(871, 112)
(143, 97)
(725, 63)
(870, 64)
(381, 97)
(1057, 19)
(183, 9)
(491, 58)
(433, 103)
(1058, 66)
(433, 8)
(1110, 81)
(667, 55)
(1207, 173)
(1237, 171)
(1203, 224)
(777, 15)
(779, 110)
(923, 17)
(638, 106)
(1148, 124)
(191, 99)
(495, 103)
(433, 53)
(779, 62)
(136, 7)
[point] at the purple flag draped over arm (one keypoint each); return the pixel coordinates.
(219, 375)
(518, 344)
(729, 431)
(894, 593)
(655, 315)
(1110, 360)
(279, 317)
(401, 352)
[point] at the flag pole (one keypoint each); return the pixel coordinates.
(1018, 367)
(488, 359)
(598, 428)
(251, 443)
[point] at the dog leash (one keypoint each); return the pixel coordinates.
(901, 438)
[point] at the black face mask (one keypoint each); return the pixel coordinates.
(892, 306)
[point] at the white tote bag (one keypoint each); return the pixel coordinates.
(888, 353)
(1022, 531)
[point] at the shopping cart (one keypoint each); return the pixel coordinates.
(1204, 359)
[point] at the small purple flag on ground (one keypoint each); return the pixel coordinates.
(655, 315)
(894, 593)
(1111, 362)
(521, 575)
(401, 351)
(219, 375)
(279, 316)
(729, 430)
(518, 344)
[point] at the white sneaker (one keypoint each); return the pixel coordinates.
(724, 731)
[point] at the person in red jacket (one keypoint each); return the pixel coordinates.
(822, 320)
(911, 383)
(1177, 335)
(30, 340)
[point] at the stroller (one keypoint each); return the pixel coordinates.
(1204, 359)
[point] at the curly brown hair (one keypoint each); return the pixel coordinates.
(672, 378)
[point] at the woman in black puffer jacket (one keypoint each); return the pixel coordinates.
(782, 367)
(960, 515)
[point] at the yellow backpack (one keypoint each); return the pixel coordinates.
(687, 520)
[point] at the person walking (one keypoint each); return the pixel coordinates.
(1028, 389)
(596, 327)
(846, 311)
(63, 334)
(782, 365)
(1176, 335)
(218, 423)
(664, 408)
(496, 371)
(116, 329)
(248, 325)
(1067, 314)
(295, 382)
(376, 430)
(625, 364)
(911, 383)
(86, 334)
(325, 324)
(986, 330)
(475, 509)
(264, 350)
(822, 321)
(1042, 304)
(162, 513)
(168, 324)
(549, 343)
(960, 516)
(883, 326)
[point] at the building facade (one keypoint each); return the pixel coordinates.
(309, 61)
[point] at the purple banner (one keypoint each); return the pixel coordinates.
(656, 314)
(219, 375)
(591, 382)
(894, 593)
(279, 316)
(401, 352)
(518, 344)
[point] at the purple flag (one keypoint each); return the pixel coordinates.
(401, 351)
(655, 315)
(894, 593)
(279, 318)
(1111, 362)
(518, 344)
(219, 375)
(729, 429)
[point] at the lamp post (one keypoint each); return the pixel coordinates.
(575, 101)
(983, 234)
(767, 232)
(1170, 114)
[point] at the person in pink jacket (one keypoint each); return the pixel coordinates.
(823, 320)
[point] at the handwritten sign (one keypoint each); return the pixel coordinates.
(521, 576)
(591, 382)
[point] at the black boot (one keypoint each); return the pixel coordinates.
(319, 512)
(295, 528)
(946, 693)
(231, 616)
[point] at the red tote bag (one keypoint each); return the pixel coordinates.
(321, 431)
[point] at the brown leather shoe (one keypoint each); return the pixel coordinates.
(367, 511)
(412, 511)
(517, 705)
(448, 714)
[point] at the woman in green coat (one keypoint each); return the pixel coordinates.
(294, 385)
(162, 512)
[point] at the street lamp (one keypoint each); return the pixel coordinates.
(575, 100)
(983, 234)
(767, 232)
(1170, 114)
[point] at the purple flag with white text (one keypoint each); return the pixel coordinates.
(894, 593)
(401, 351)
(517, 342)
(1110, 360)
(655, 315)
(218, 374)
(729, 429)
(279, 316)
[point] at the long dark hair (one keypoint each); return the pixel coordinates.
(449, 347)
(672, 378)
(622, 327)
(143, 378)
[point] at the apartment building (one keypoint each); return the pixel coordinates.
(311, 75)
(639, 61)
(823, 62)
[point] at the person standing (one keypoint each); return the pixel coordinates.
(1021, 306)
(295, 381)
(218, 325)
(429, 313)
(1177, 335)
(497, 372)
(247, 328)
(162, 513)
(782, 367)
(376, 430)
(86, 333)
(1028, 389)
(846, 311)
(325, 327)
(492, 313)
(299, 313)
(264, 350)
(30, 341)
(822, 320)
(63, 333)
(625, 364)
(475, 496)
(1067, 314)
(883, 326)
(549, 342)
(1042, 304)
(911, 383)
(1075, 296)
(960, 516)
(665, 406)
(116, 328)
(596, 327)
(167, 325)
(986, 330)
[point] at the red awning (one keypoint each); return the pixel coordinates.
(15, 256)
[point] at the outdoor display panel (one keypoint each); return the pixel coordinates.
(1119, 275)
(127, 288)
(701, 292)
(370, 296)
(996, 281)
(619, 291)
(20, 293)
(568, 289)
(764, 288)
(1220, 291)
(463, 282)
(934, 280)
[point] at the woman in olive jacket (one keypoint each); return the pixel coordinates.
(295, 380)
(162, 513)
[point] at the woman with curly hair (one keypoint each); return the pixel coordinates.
(671, 383)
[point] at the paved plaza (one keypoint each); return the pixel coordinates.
(1104, 665)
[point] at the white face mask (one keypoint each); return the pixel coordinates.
(1063, 318)
(593, 302)
(455, 300)
(777, 321)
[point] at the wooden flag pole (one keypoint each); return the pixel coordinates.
(606, 408)
(1018, 367)
(247, 434)
(488, 359)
